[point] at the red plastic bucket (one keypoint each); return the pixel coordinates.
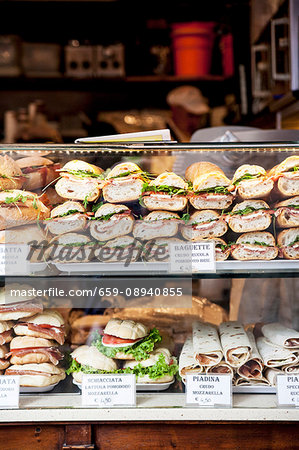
(192, 48)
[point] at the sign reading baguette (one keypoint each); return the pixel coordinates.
(209, 390)
(13, 259)
(9, 391)
(192, 257)
(288, 390)
(108, 390)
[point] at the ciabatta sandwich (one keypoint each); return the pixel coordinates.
(288, 242)
(258, 245)
(20, 208)
(4, 362)
(28, 350)
(11, 176)
(158, 250)
(67, 218)
(204, 224)
(157, 224)
(37, 375)
(126, 339)
(168, 192)
(222, 249)
(20, 310)
(111, 221)
(123, 183)
(6, 328)
(120, 249)
(286, 177)
(287, 213)
(71, 247)
(250, 215)
(251, 182)
(210, 186)
(38, 171)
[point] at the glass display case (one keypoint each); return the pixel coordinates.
(144, 260)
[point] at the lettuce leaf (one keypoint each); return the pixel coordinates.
(171, 190)
(248, 176)
(214, 190)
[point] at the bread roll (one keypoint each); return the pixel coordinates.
(113, 221)
(37, 375)
(251, 182)
(250, 215)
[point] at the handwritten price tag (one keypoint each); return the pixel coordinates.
(109, 390)
(209, 390)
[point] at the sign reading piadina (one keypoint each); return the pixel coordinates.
(287, 390)
(108, 390)
(209, 390)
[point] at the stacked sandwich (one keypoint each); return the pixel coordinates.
(126, 346)
(233, 350)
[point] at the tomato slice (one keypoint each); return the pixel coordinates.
(108, 339)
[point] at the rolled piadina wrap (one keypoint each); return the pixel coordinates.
(273, 355)
(271, 375)
(206, 344)
(241, 381)
(235, 343)
(221, 367)
(187, 364)
(281, 335)
(291, 368)
(253, 368)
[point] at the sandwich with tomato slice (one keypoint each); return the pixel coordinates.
(211, 189)
(126, 339)
(66, 218)
(111, 221)
(288, 243)
(80, 181)
(11, 176)
(37, 375)
(38, 171)
(286, 177)
(287, 213)
(256, 245)
(123, 183)
(48, 325)
(250, 215)
(167, 192)
(37, 350)
(251, 182)
(204, 224)
(71, 247)
(157, 224)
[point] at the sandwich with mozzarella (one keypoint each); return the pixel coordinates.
(4, 362)
(11, 176)
(159, 249)
(37, 350)
(20, 208)
(37, 375)
(48, 325)
(67, 218)
(254, 246)
(123, 183)
(288, 243)
(167, 192)
(71, 247)
(222, 249)
(80, 181)
(6, 329)
(121, 249)
(286, 177)
(89, 360)
(251, 182)
(38, 171)
(157, 224)
(126, 339)
(287, 213)
(159, 367)
(250, 215)
(204, 224)
(20, 310)
(210, 186)
(111, 221)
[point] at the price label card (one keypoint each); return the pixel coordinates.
(109, 390)
(192, 257)
(211, 390)
(13, 259)
(288, 390)
(9, 391)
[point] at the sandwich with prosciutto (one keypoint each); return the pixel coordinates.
(48, 325)
(158, 250)
(6, 331)
(71, 247)
(210, 186)
(121, 249)
(37, 375)
(38, 171)
(11, 176)
(20, 208)
(157, 224)
(111, 221)
(287, 213)
(4, 362)
(222, 249)
(251, 182)
(256, 245)
(168, 192)
(221, 367)
(286, 177)
(67, 218)
(250, 215)
(80, 181)
(126, 339)
(19, 310)
(288, 243)
(29, 350)
(204, 224)
(123, 183)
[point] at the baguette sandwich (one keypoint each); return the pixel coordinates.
(120, 249)
(37, 375)
(250, 215)
(167, 192)
(67, 218)
(287, 213)
(210, 186)
(222, 249)
(286, 177)
(111, 221)
(158, 250)
(288, 243)
(257, 245)
(33, 350)
(251, 182)
(123, 183)
(204, 224)
(11, 176)
(38, 171)
(157, 224)
(71, 247)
